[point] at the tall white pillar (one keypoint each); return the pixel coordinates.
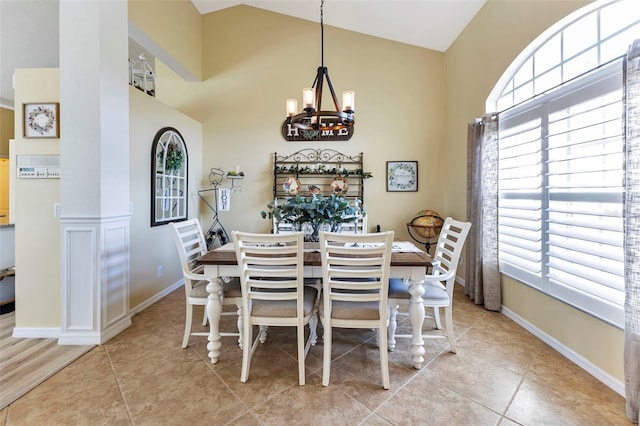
(94, 157)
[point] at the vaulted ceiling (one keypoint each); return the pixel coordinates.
(432, 24)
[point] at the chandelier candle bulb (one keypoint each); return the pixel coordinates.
(307, 98)
(292, 107)
(348, 100)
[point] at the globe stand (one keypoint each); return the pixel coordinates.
(425, 234)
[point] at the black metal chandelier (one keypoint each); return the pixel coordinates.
(312, 117)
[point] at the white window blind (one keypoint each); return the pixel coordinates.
(560, 187)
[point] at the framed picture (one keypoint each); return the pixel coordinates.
(402, 176)
(42, 120)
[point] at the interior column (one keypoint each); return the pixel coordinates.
(94, 156)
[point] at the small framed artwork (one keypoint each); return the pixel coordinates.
(42, 120)
(402, 176)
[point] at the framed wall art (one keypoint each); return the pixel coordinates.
(402, 176)
(42, 120)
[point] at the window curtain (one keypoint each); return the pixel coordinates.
(482, 277)
(632, 231)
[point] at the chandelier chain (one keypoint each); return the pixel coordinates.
(322, 33)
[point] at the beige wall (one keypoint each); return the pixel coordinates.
(153, 246)
(173, 24)
(488, 45)
(37, 236)
(6, 130)
(37, 231)
(255, 60)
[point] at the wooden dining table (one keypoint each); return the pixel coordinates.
(407, 262)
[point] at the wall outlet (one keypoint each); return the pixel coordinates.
(159, 271)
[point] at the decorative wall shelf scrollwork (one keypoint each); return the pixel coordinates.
(319, 171)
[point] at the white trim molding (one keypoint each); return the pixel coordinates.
(95, 279)
(36, 332)
(153, 299)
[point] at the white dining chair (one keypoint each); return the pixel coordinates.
(191, 244)
(271, 268)
(355, 277)
(438, 286)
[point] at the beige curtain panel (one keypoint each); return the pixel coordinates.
(482, 277)
(632, 231)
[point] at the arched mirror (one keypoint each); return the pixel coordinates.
(169, 172)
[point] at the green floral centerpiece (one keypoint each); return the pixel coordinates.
(315, 210)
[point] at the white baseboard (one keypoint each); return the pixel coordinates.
(36, 332)
(153, 299)
(613, 383)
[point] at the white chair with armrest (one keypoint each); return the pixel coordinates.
(438, 286)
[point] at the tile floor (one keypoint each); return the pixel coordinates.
(501, 375)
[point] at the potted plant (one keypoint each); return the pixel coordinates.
(315, 210)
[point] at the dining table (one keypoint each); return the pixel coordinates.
(407, 262)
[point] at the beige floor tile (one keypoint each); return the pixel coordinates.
(515, 349)
(547, 403)
(375, 420)
(311, 404)
(246, 419)
(481, 381)
(84, 393)
(161, 379)
(551, 365)
(423, 402)
(507, 422)
(272, 371)
(143, 377)
(358, 374)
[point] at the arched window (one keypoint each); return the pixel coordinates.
(584, 40)
(560, 166)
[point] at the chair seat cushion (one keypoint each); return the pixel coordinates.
(231, 289)
(284, 308)
(399, 290)
(352, 310)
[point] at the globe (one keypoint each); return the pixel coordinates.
(427, 223)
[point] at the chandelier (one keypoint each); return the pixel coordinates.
(313, 118)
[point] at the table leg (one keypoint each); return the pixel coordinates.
(416, 313)
(214, 312)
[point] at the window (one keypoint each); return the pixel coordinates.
(584, 40)
(560, 224)
(560, 193)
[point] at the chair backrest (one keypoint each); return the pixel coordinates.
(190, 243)
(449, 247)
(271, 267)
(355, 267)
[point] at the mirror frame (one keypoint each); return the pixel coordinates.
(169, 177)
